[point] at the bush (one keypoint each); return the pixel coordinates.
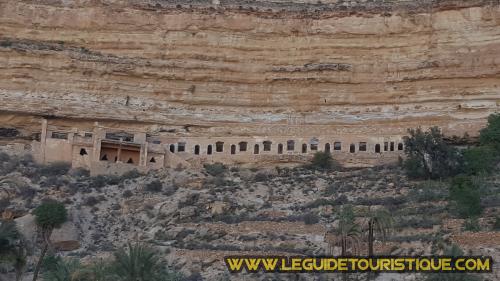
(428, 155)
(215, 169)
(323, 161)
(55, 169)
(496, 224)
(479, 160)
(261, 177)
(4, 157)
(154, 186)
(466, 197)
(310, 218)
(127, 194)
(91, 201)
(472, 224)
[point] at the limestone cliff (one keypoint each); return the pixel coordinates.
(245, 67)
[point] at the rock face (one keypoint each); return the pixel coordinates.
(243, 67)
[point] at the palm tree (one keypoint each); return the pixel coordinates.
(48, 216)
(67, 270)
(141, 263)
(379, 224)
(347, 232)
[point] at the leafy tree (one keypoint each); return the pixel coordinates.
(479, 160)
(464, 192)
(140, 263)
(429, 156)
(348, 232)
(491, 134)
(323, 161)
(48, 216)
(379, 224)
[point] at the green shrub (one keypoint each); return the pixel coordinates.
(215, 169)
(310, 218)
(428, 155)
(55, 169)
(154, 186)
(464, 192)
(472, 224)
(323, 161)
(479, 160)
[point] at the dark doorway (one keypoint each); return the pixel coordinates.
(197, 149)
(233, 149)
(377, 148)
(256, 149)
(352, 148)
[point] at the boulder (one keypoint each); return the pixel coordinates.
(66, 238)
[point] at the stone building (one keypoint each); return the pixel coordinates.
(108, 150)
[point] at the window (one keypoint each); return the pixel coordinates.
(104, 157)
(304, 148)
(280, 148)
(83, 152)
(233, 149)
(243, 146)
(314, 146)
(352, 148)
(377, 148)
(337, 145)
(157, 141)
(172, 148)
(219, 146)
(327, 147)
(290, 145)
(62, 136)
(209, 149)
(362, 146)
(400, 146)
(392, 146)
(181, 146)
(196, 149)
(256, 149)
(267, 145)
(153, 160)
(88, 135)
(386, 146)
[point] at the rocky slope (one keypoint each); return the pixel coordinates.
(241, 67)
(195, 218)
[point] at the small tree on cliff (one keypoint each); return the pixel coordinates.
(429, 156)
(491, 134)
(48, 216)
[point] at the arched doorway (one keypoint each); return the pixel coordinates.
(233, 149)
(327, 147)
(209, 149)
(256, 149)
(352, 148)
(196, 149)
(304, 148)
(377, 148)
(280, 148)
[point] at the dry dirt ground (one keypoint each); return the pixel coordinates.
(195, 219)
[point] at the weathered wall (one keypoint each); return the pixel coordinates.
(196, 68)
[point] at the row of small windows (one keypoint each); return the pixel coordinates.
(290, 146)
